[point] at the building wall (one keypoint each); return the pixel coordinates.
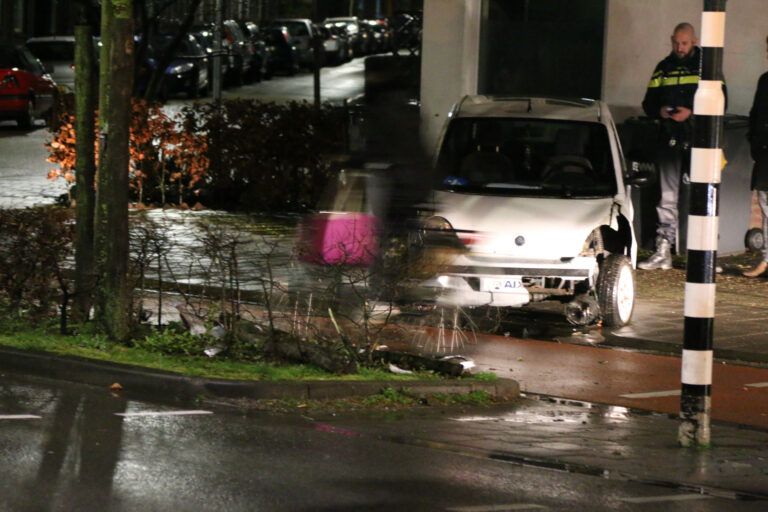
(637, 37)
(449, 64)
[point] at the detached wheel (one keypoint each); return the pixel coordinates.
(754, 240)
(616, 290)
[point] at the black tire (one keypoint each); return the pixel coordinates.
(25, 120)
(754, 240)
(616, 290)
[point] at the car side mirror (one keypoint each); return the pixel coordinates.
(641, 174)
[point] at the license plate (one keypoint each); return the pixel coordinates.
(502, 285)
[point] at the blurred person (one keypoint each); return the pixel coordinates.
(758, 145)
(669, 98)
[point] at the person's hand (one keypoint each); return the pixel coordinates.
(681, 114)
(677, 114)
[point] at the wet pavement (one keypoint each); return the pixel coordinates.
(74, 447)
(615, 418)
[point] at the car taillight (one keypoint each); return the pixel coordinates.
(286, 37)
(9, 81)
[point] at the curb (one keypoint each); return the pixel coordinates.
(148, 381)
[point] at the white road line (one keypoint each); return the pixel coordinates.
(498, 508)
(19, 417)
(655, 394)
(757, 385)
(162, 413)
(672, 497)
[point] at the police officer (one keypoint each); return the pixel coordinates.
(758, 144)
(669, 98)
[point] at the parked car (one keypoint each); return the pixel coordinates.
(259, 50)
(204, 38)
(531, 203)
(302, 32)
(242, 54)
(334, 47)
(352, 26)
(378, 31)
(57, 53)
(188, 71)
(283, 54)
(27, 91)
(340, 31)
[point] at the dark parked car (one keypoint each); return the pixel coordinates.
(188, 71)
(26, 89)
(241, 51)
(259, 50)
(302, 32)
(204, 38)
(283, 54)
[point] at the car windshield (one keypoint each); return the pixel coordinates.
(526, 157)
(53, 50)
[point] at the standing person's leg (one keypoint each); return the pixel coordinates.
(669, 180)
(762, 200)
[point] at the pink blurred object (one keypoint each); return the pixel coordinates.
(332, 238)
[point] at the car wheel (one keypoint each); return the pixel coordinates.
(616, 290)
(26, 119)
(754, 240)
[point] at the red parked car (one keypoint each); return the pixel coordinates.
(26, 89)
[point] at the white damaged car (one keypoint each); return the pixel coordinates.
(531, 202)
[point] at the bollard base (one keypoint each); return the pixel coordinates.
(694, 430)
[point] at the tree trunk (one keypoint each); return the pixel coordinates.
(113, 306)
(85, 170)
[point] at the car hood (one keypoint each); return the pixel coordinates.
(526, 228)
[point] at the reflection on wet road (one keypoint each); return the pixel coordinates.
(84, 448)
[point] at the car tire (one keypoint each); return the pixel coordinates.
(25, 120)
(754, 240)
(616, 290)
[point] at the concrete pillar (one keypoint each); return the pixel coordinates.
(450, 54)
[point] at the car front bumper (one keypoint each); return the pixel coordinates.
(506, 285)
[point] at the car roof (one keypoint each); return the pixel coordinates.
(572, 109)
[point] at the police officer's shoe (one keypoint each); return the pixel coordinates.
(661, 259)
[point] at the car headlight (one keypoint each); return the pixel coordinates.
(178, 69)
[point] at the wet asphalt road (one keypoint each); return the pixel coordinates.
(69, 447)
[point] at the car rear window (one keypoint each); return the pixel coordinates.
(527, 157)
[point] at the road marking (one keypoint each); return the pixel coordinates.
(654, 394)
(757, 385)
(671, 497)
(19, 417)
(497, 508)
(162, 413)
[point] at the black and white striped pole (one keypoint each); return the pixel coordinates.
(706, 166)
